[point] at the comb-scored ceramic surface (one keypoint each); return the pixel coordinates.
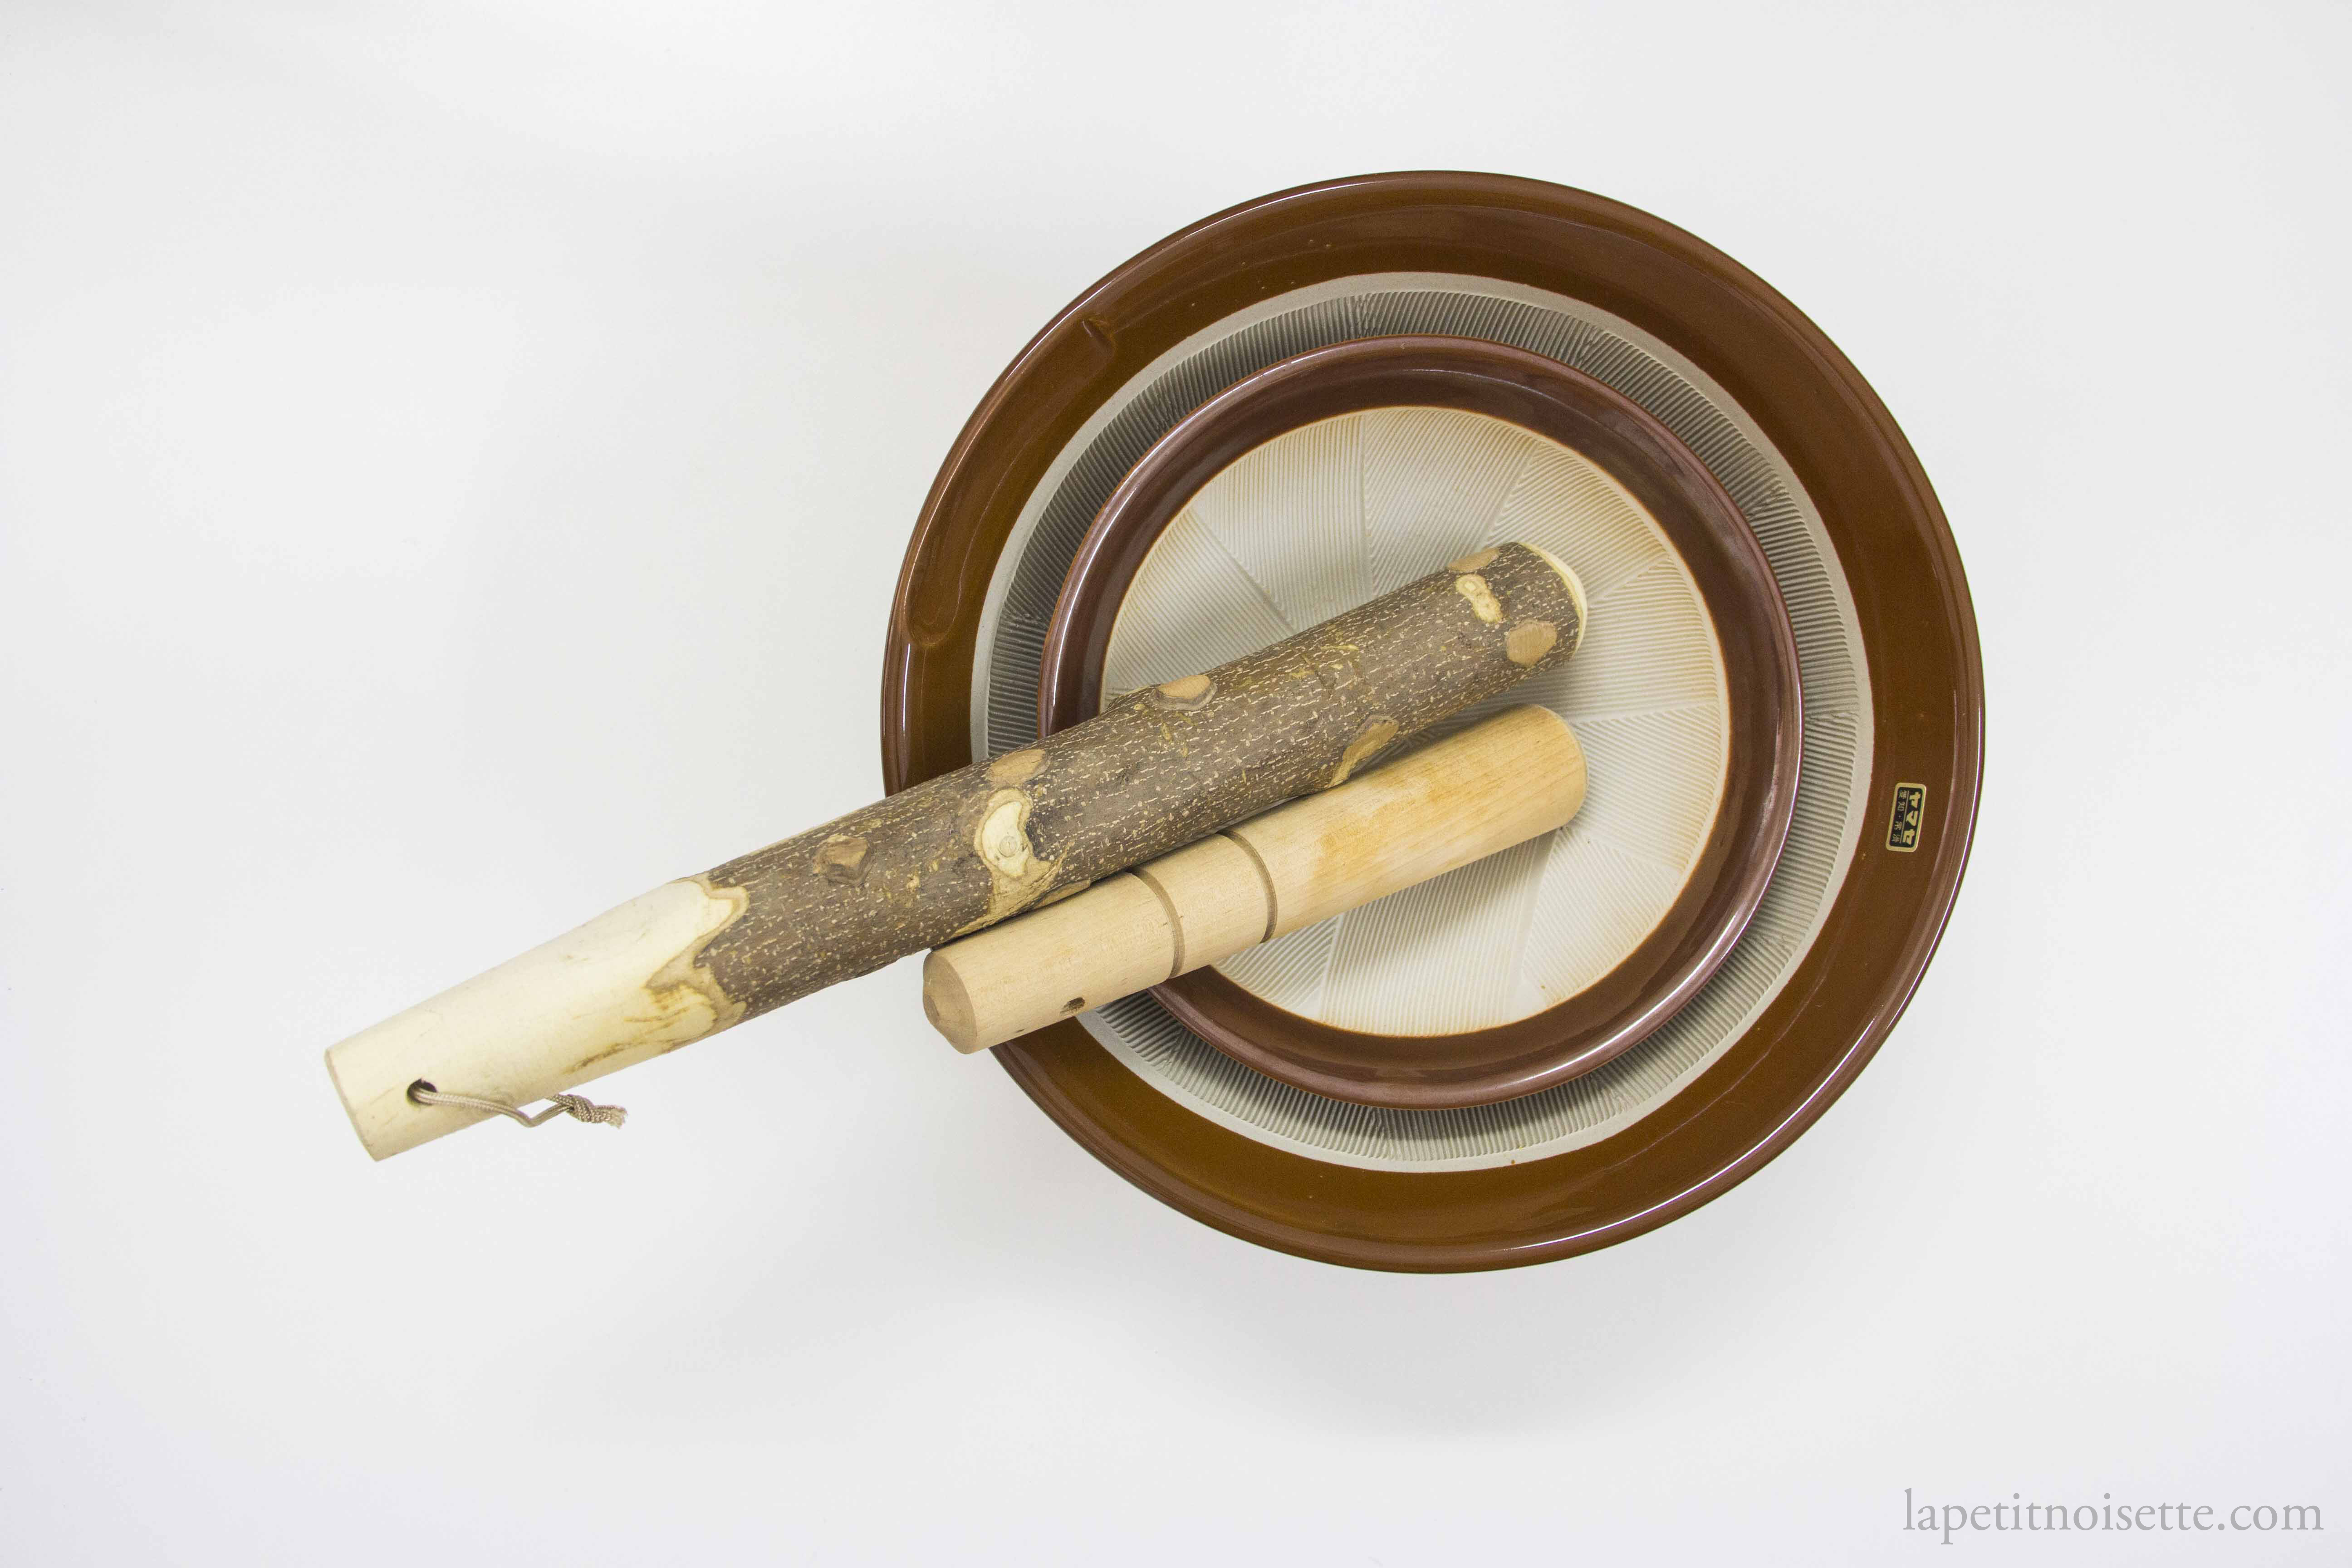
(1321, 519)
(1838, 735)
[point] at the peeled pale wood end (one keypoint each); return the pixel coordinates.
(617, 990)
(1575, 592)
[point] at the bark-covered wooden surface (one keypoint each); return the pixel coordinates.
(1158, 770)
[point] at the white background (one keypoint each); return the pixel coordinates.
(453, 464)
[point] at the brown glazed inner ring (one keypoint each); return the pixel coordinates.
(1911, 607)
(1735, 582)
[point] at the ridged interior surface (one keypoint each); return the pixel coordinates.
(1834, 674)
(1322, 518)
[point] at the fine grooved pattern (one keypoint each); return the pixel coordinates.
(1837, 741)
(1385, 963)
(1433, 485)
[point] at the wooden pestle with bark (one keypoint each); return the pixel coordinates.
(1157, 771)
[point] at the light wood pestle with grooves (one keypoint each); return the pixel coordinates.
(1500, 782)
(1160, 770)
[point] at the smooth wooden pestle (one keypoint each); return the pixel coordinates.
(1497, 784)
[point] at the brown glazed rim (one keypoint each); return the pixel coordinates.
(1743, 601)
(1911, 604)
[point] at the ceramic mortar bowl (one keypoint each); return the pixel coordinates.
(1876, 599)
(1339, 474)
